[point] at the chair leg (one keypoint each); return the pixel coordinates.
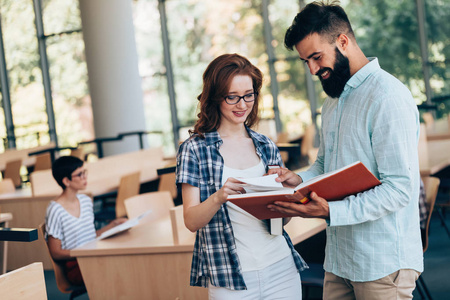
(422, 284)
(441, 216)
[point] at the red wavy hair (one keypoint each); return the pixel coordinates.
(216, 85)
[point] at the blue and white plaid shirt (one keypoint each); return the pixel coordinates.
(200, 164)
(375, 121)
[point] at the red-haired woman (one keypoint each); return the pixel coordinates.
(235, 256)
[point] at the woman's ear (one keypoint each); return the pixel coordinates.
(66, 181)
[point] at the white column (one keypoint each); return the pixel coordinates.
(112, 62)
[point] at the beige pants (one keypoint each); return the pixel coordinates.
(398, 285)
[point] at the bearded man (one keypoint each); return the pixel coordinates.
(373, 248)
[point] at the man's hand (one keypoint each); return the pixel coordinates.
(287, 178)
(317, 207)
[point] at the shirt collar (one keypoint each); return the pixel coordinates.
(360, 76)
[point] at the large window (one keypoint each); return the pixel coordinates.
(68, 71)
(24, 73)
(68, 74)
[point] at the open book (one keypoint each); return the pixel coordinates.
(124, 226)
(335, 185)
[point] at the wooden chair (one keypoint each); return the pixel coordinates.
(43, 162)
(12, 170)
(78, 152)
(43, 183)
(167, 183)
(307, 148)
(431, 185)
(159, 202)
(179, 230)
(24, 283)
(128, 187)
(283, 137)
(61, 280)
(7, 186)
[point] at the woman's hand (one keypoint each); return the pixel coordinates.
(231, 187)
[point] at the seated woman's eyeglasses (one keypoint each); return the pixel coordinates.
(234, 99)
(81, 174)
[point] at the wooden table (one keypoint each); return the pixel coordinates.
(437, 157)
(22, 154)
(28, 212)
(104, 175)
(4, 222)
(144, 263)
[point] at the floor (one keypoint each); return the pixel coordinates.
(436, 274)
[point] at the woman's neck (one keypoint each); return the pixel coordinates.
(68, 195)
(232, 131)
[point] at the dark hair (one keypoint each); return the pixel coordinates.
(216, 84)
(327, 19)
(64, 167)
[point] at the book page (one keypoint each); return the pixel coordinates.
(123, 227)
(261, 184)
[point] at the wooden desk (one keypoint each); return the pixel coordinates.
(144, 263)
(4, 222)
(104, 175)
(28, 212)
(438, 136)
(27, 161)
(300, 229)
(437, 158)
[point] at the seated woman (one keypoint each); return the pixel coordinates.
(69, 221)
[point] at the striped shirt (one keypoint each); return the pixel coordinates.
(200, 164)
(71, 231)
(375, 121)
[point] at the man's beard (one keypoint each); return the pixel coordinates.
(335, 83)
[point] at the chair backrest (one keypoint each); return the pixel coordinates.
(308, 140)
(431, 185)
(179, 230)
(78, 152)
(43, 183)
(24, 283)
(12, 170)
(128, 187)
(7, 186)
(159, 202)
(43, 162)
(61, 281)
(167, 183)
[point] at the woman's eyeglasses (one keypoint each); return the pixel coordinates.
(234, 99)
(82, 174)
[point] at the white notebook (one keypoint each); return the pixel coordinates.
(123, 227)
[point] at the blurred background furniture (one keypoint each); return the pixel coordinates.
(60, 277)
(26, 283)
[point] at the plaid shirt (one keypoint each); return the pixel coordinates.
(423, 211)
(200, 164)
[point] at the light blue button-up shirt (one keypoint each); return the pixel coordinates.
(375, 121)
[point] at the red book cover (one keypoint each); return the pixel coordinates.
(335, 185)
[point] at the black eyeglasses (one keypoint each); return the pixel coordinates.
(82, 174)
(234, 99)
